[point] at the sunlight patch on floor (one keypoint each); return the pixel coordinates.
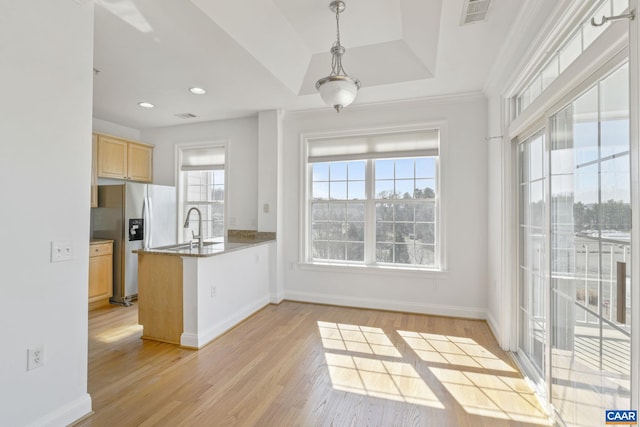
(452, 350)
(378, 378)
(360, 339)
(481, 383)
(508, 398)
(117, 334)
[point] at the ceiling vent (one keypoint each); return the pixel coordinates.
(474, 11)
(186, 115)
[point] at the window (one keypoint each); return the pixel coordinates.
(202, 185)
(570, 49)
(338, 210)
(205, 191)
(373, 200)
(405, 192)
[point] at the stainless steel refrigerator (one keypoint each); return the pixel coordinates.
(135, 216)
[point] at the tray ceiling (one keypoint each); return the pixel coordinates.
(253, 55)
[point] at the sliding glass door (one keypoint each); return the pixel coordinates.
(590, 228)
(533, 283)
(574, 295)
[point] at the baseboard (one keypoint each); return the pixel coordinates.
(188, 340)
(276, 298)
(495, 330)
(203, 338)
(67, 414)
(386, 304)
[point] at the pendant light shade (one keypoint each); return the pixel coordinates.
(337, 89)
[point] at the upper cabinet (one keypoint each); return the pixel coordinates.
(94, 171)
(123, 159)
(139, 162)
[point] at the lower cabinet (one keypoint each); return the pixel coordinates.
(160, 296)
(100, 273)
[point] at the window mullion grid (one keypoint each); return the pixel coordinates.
(437, 224)
(370, 215)
(370, 256)
(309, 225)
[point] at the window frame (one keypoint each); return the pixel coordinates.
(573, 30)
(329, 202)
(412, 201)
(201, 204)
(181, 184)
(306, 262)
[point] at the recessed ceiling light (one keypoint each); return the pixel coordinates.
(146, 104)
(197, 91)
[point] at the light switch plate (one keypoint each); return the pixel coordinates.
(61, 250)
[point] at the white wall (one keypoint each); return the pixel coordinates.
(270, 131)
(462, 289)
(46, 57)
(500, 219)
(242, 162)
(532, 25)
(241, 280)
(110, 128)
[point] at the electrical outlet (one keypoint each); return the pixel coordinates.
(61, 250)
(214, 291)
(35, 358)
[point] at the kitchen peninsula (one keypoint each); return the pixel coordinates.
(190, 296)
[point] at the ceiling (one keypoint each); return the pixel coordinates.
(254, 55)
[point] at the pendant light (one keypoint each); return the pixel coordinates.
(337, 89)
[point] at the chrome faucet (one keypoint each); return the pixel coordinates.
(186, 225)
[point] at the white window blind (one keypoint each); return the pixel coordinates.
(198, 159)
(422, 143)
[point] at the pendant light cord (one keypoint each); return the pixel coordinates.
(338, 26)
(336, 57)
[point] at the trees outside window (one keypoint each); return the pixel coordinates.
(201, 184)
(381, 210)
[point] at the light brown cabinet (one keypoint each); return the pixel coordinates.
(100, 273)
(120, 158)
(94, 171)
(160, 296)
(139, 162)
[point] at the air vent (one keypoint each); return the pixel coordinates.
(186, 115)
(474, 11)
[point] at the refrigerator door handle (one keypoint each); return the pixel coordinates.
(147, 215)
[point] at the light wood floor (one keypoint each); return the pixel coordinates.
(308, 365)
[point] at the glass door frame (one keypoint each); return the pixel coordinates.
(594, 82)
(540, 381)
(634, 135)
(626, 54)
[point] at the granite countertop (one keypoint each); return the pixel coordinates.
(99, 241)
(210, 248)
